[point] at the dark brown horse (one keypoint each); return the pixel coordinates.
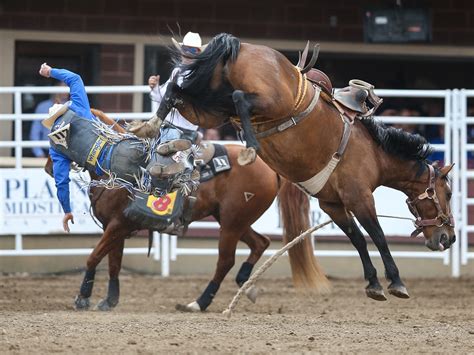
(299, 135)
(223, 197)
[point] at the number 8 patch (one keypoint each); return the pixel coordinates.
(163, 205)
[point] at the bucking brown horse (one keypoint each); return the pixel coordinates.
(226, 198)
(300, 132)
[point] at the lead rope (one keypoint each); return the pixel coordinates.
(396, 217)
(251, 281)
(269, 262)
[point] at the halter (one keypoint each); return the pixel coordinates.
(442, 219)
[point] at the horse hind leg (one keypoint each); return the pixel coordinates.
(347, 224)
(258, 244)
(115, 264)
(227, 244)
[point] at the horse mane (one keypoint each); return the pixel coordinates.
(397, 142)
(196, 86)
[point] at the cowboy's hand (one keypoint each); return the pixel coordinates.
(67, 217)
(153, 81)
(45, 70)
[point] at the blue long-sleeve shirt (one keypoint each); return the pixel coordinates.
(80, 105)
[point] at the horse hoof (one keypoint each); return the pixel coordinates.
(252, 293)
(103, 306)
(375, 293)
(247, 156)
(399, 291)
(191, 307)
(81, 303)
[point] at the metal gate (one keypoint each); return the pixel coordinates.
(456, 148)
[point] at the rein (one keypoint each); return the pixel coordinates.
(442, 219)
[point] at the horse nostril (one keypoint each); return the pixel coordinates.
(453, 239)
(444, 240)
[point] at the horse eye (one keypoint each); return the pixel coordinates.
(450, 194)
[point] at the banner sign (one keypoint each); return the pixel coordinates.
(387, 202)
(28, 205)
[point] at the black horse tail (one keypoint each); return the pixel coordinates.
(198, 73)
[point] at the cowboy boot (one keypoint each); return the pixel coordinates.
(148, 129)
(171, 147)
(165, 171)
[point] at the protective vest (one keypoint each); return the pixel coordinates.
(78, 139)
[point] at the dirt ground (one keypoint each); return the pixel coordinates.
(36, 316)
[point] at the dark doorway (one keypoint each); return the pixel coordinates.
(77, 57)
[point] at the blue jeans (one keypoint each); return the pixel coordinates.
(168, 134)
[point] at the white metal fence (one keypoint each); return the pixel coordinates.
(455, 148)
(466, 171)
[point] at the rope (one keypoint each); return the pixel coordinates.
(251, 281)
(395, 217)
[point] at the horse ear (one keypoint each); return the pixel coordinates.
(446, 169)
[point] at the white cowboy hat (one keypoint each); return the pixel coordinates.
(191, 39)
(54, 112)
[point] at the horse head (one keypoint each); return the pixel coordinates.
(430, 204)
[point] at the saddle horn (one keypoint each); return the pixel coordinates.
(313, 60)
(302, 57)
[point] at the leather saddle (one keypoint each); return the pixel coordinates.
(320, 78)
(355, 97)
(351, 100)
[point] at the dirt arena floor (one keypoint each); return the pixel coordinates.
(36, 316)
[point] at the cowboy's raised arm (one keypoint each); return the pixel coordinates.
(157, 90)
(80, 102)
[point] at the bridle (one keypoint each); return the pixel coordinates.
(442, 219)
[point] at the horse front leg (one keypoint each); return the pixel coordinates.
(343, 220)
(365, 212)
(115, 264)
(81, 302)
(243, 107)
(227, 244)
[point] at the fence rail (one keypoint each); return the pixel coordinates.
(165, 248)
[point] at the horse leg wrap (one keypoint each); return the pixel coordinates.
(113, 293)
(206, 298)
(87, 284)
(244, 273)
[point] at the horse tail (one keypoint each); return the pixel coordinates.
(294, 210)
(107, 120)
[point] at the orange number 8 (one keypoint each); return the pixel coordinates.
(161, 204)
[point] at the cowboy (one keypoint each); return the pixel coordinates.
(177, 133)
(76, 137)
